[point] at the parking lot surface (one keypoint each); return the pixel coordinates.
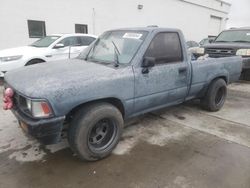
(179, 147)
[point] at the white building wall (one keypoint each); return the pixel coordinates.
(60, 16)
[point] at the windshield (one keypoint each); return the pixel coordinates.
(45, 42)
(234, 36)
(116, 47)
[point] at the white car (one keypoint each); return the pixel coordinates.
(50, 48)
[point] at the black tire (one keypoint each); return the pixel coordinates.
(34, 61)
(215, 96)
(95, 131)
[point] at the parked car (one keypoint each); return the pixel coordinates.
(193, 48)
(50, 48)
(123, 74)
(206, 41)
(232, 42)
(192, 44)
(197, 50)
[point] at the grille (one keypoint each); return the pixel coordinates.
(215, 52)
(16, 100)
(20, 103)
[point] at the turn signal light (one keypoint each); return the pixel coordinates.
(38, 108)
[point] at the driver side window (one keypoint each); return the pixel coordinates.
(165, 48)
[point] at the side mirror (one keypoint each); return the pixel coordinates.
(211, 40)
(148, 62)
(59, 45)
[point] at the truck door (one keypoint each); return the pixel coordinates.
(166, 82)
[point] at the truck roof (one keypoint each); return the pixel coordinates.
(149, 29)
(72, 34)
(240, 28)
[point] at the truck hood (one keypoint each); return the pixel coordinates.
(23, 50)
(55, 78)
(231, 45)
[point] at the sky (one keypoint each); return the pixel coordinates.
(240, 14)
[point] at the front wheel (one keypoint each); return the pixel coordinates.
(95, 131)
(34, 61)
(215, 96)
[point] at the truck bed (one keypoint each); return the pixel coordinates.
(203, 72)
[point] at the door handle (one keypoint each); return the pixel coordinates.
(182, 70)
(145, 70)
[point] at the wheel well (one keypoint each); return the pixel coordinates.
(114, 101)
(36, 59)
(220, 77)
(205, 89)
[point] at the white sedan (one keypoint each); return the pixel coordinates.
(50, 48)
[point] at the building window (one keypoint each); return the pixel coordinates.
(81, 28)
(36, 29)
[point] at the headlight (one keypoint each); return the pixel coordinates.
(38, 109)
(243, 52)
(200, 50)
(197, 50)
(11, 58)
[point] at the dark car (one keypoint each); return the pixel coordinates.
(206, 41)
(232, 42)
(192, 44)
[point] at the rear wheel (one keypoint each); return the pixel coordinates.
(215, 96)
(95, 131)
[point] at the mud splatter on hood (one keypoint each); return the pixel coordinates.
(41, 79)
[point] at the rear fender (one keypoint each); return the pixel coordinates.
(223, 75)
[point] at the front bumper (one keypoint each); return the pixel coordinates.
(47, 131)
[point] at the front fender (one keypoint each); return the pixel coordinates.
(111, 99)
(35, 57)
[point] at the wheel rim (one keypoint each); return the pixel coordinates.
(102, 135)
(220, 95)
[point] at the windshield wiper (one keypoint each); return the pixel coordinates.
(221, 41)
(91, 50)
(117, 53)
(243, 41)
(33, 45)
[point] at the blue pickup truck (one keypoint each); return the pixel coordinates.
(123, 74)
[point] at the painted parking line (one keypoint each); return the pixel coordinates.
(197, 119)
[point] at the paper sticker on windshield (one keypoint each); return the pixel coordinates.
(54, 38)
(248, 34)
(132, 35)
